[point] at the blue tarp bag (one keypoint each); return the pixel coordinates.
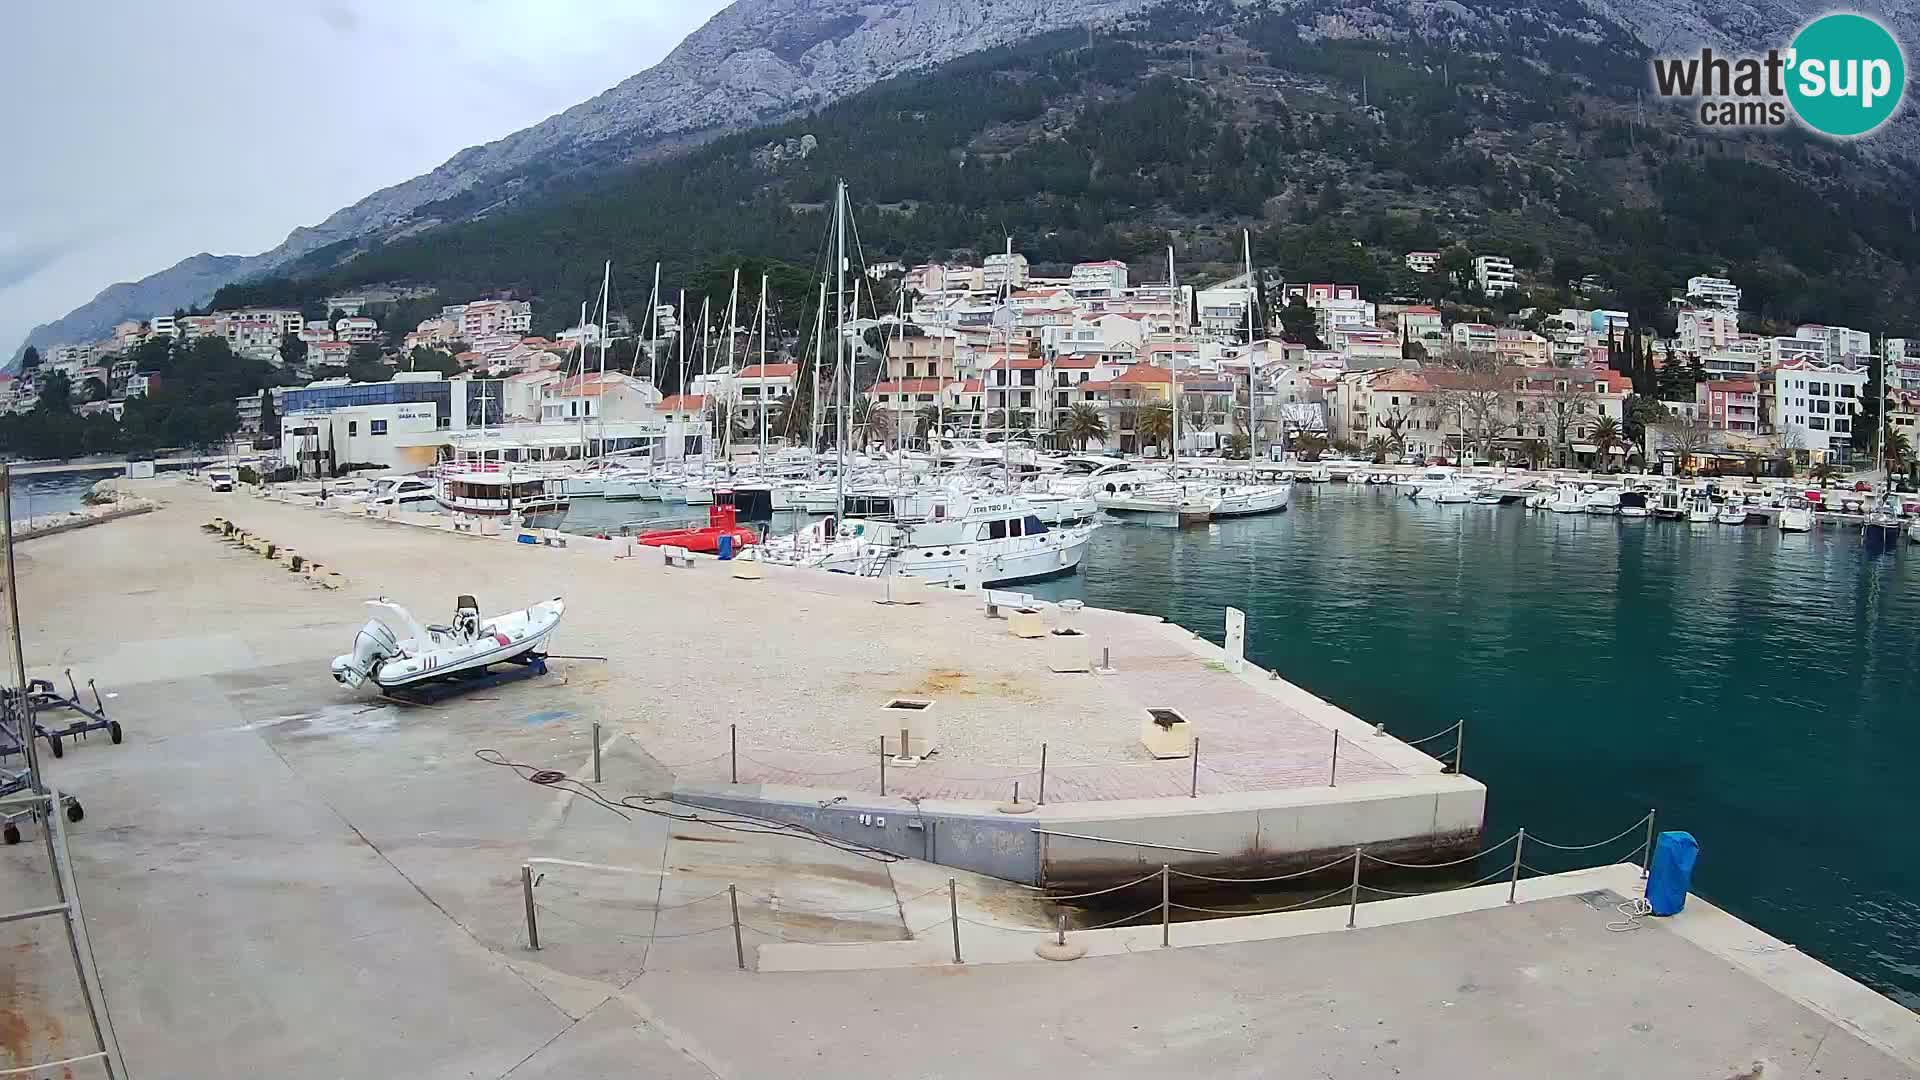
(1674, 854)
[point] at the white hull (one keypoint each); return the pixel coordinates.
(395, 652)
(1732, 517)
(1248, 501)
(1913, 531)
(1001, 562)
(1635, 513)
(1567, 507)
(1700, 517)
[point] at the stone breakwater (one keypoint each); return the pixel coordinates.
(105, 503)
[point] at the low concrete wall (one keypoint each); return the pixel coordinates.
(1412, 819)
(83, 522)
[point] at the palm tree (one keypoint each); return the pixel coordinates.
(925, 420)
(1084, 424)
(1899, 450)
(1378, 448)
(1310, 445)
(1823, 471)
(1155, 425)
(1605, 436)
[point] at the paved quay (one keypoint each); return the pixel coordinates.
(283, 879)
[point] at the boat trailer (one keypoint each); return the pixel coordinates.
(15, 709)
(525, 666)
(44, 699)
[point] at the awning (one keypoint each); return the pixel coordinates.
(1585, 448)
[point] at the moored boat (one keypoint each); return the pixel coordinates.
(491, 490)
(1796, 514)
(395, 651)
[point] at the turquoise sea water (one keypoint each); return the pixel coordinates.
(1760, 690)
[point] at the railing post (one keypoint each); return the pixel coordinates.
(883, 766)
(1459, 743)
(953, 916)
(1166, 905)
(596, 751)
(1519, 846)
(739, 950)
(1333, 773)
(526, 891)
(1353, 891)
(733, 753)
(1646, 857)
(1193, 792)
(1043, 775)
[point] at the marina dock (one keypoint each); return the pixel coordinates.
(284, 878)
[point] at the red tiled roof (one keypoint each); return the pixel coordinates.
(1403, 381)
(1421, 310)
(1144, 373)
(1095, 384)
(908, 386)
(684, 403)
(769, 371)
(1018, 363)
(971, 386)
(1075, 362)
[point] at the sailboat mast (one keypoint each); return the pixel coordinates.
(1253, 391)
(732, 400)
(814, 417)
(762, 395)
(653, 328)
(606, 325)
(680, 342)
(580, 382)
(840, 340)
(1173, 394)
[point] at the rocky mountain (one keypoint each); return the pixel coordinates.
(761, 60)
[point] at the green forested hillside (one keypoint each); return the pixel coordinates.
(1477, 124)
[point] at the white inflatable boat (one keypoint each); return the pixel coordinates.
(395, 651)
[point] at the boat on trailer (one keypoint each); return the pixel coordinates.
(396, 653)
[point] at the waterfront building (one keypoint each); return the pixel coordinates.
(1494, 274)
(355, 329)
(1731, 405)
(1815, 404)
(1103, 278)
(1006, 271)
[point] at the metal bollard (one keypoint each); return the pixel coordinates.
(596, 751)
(953, 914)
(1646, 858)
(526, 890)
(1193, 792)
(1043, 775)
(1062, 938)
(1353, 891)
(1333, 774)
(1166, 904)
(739, 950)
(1513, 884)
(733, 753)
(883, 766)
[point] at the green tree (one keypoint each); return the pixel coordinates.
(364, 364)
(269, 418)
(30, 359)
(1298, 322)
(293, 351)
(925, 419)
(1155, 426)
(56, 393)
(425, 359)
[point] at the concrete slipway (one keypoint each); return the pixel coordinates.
(282, 880)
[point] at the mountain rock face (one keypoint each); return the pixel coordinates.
(761, 59)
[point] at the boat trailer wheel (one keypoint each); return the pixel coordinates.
(11, 833)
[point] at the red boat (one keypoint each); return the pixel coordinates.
(721, 522)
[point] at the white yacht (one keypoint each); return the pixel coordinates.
(1796, 514)
(1246, 500)
(1602, 501)
(493, 491)
(1700, 510)
(401, 493)
(1633, 505)
(1731, 513)
(997, 538)
(1568, 499)
(1672, 504)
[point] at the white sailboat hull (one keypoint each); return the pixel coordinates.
(1001, 562)
(1248, 501)
(1792, 520)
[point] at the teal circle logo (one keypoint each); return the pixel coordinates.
(1846, 75)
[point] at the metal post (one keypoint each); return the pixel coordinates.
(1166, 904)
(1519, 845)
(1194, 791)
(596, 751)
(1062, 939)
(1353, 891)
(30, 752)
(1043, 775)
(883, 766)
(953, 916)
(1459, 741)
(1333, 774)
(1646, 857)
(526, 890)
(733, 753)
(1106, 658)
(739, 951)
(69, 893)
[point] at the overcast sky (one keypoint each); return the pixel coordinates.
(145, 131)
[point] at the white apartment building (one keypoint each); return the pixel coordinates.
(346, 305)
(355, 329)
(1475, 337)
(1817, 402)
(1494, 274)
(1008, 271)
(1714, 291)
(485, 318)
(1105, 277)
(1800, 346)
(1424, 325)
(1224, 310)
(1706, 329)
(163, 324)
(1902, 359)
(1423, 262)
(610, 396)
(1843, 343)
(926, 278)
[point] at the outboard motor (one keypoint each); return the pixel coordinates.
(372, 646)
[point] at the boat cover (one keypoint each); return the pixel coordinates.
(1672, 875)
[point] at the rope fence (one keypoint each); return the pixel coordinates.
(1039, 772)
(1512, 869)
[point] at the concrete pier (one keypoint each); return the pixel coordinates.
(285, 879)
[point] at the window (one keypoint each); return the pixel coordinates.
(376, 427)
(1815, 423)
(1013, 527)
(353, 428)
(909, 373)
(1026, 377)
(996, 530)
(1026, 399)
(1846, 390)
(1842, 424)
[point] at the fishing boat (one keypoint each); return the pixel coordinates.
(1700, 509)
(721, 530)
(1671, 506)
(995, 538)
(491, 490)
(395, 651)
(1881, 530)
(1796, 514)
